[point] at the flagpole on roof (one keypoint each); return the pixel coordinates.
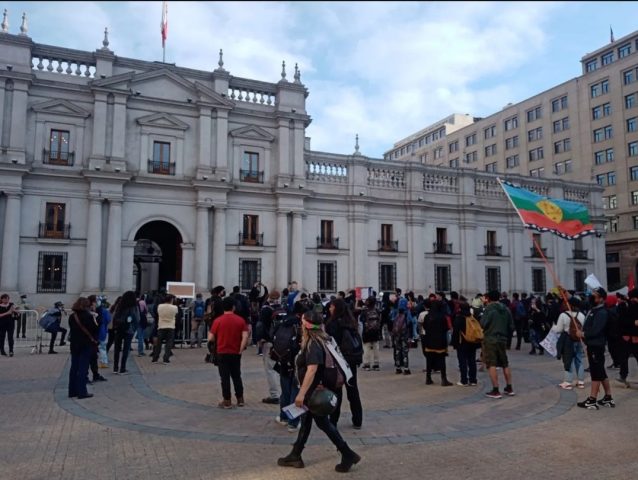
(164, 29)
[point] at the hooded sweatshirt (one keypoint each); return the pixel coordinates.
(497, 322)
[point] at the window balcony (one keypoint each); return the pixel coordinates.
(493, 250)
(161, 168)
(251, 176)
(534, 252)
(580, 254)
(251, 240)
(328, 243)
(388, 245)
(66, 159)
(442, 248)
(54, 230)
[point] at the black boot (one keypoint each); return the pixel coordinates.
(348, 459)
(444, 380)
(293, 459)
(428, 379)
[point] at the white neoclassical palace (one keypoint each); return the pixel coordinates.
(117, 173)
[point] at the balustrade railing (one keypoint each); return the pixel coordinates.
(383, 177)
(251, 176)
(64, 61)
(388, 245)
(251, 91)
(326, 172)
(493, 250)
(433, 182)
(66, 159)
(443, 248)
(328, 243)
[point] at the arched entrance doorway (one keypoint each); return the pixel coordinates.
(157, 256)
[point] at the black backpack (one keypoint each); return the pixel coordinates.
(278, 317)
(372, 321)
(351, 346)
(285, 344)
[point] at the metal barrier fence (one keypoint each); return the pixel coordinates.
(28, 332)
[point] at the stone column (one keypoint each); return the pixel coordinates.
(281, 253)
(11, 244)
(201, 249)
(204, 138)
(299, 167)
(412, 255)
(114, 246)
(221, 142)
(19, 117)
(99, 126)
(359, 249)
(283, 147)
(93, 257)
(119, 127)
(296, 261)
(219, 247)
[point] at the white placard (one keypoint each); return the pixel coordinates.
(592, 282)
(549, 343)
(181, 289)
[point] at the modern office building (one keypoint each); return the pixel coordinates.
(118, 173)
(585, 130)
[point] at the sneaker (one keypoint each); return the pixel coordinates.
(366, 368)
(581, 384)
(375, 368)
(407, 371)
(398, 371)
(270, 400)
(565, 386)
(124, 372)
(240, 401)
(280, 421)
(509, 391)
(11, 354)
(589, 403)
(166, 362)
(293, 428)
(606, 401)
(461, 384)
(473, 384)
(142, 354)
(99, 378)
(494, 393)
(225, 404)
(154, 360)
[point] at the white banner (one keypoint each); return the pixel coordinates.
(549, 343)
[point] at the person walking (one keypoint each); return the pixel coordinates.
(310, 366)
(339, 325)
(229, 332)
(84, 331)
(497, 326)
(7, 323)
(166, 314)
(125, 321)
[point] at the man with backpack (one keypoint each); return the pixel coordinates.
(286, 343)
(270, 316)
(370, 320)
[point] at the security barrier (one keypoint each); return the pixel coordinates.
(28, 332)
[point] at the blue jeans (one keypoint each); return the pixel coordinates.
(79, 371)
(466, 355)
(577, 364)
(289, 391)
(140, 340)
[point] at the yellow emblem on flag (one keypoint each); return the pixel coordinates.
(551, 210)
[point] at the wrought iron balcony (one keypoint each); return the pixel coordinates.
(254, 240)
(580, 254)
(534, 252)
(161, 168)
(388, 245)
(445, 248)
(327, 243)
(66, 159)
(251, 176)
(493, 250)
(54, 230)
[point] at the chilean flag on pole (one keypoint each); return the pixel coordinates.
(164, 24)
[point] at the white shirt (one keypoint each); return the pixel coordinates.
(564, 319)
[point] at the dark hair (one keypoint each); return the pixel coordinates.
(236, 289)
(228, 303)
(493, 295)
(454, 295)
(464, 308)
(313, 317)
(80, 304)
(127, 301)
(342, 311)
(4, 295)
(92, 298)
(168, 299)
(116, 304)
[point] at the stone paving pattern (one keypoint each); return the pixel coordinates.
(162, 422)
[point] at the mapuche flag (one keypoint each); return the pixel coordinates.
(567, 219)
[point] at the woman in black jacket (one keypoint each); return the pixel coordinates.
(435, 342)
(125, 321)
(341, 319)
(84, 331)
(465, 351)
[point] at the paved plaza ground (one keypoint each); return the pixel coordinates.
(161, 422)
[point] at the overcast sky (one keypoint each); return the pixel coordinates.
(380, 69)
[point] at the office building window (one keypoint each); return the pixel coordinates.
(624, 50)
(438, 153)
(510, 123)
(561, 168)
(453, 147)
(511, 142)
(633, 173)
(629, 77)
(536, 154)
(387, 277)
(470, 157)
(54, 226)
(534, 114)
(562, 146)
(470, 140)
(601, 111)
(604, 133)
(591, 66)
(634, 219)
(559, 104)
(630, 101)
(599, 89)
(491, 167)
(632, 149)
(612, 225)
(490, 132)
(607, 58)
(538, 280)
(631, 124)
(52, 268)
(605, 179)
(249, 273)
(490, 150)
(561, 125)
(634, 198)
(454, 163)
(537, 172)
(535, 134)
(327, 276)
(604, 156)
(512, 161)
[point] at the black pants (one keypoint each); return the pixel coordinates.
(626, 350)
(54, 335)
(230, 367)
(21, 323)
(352, 392)
(325, 425)
(6, 330)
(614, 346)
(519, 326)
(123, 345)
(110, 341)
(164, 334)
(93, 363)
(435, 362)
